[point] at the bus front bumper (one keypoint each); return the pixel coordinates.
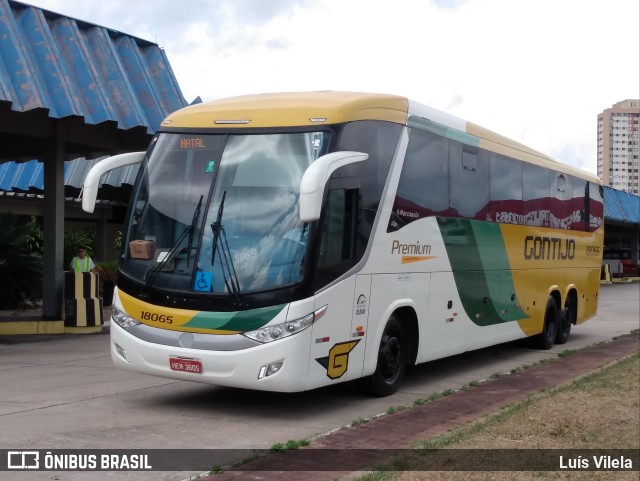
(277, 366)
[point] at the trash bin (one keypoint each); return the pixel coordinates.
(82, 302)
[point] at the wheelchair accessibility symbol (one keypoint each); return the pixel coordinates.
(203, 282)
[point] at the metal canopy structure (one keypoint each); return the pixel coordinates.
(71, 89)
(28, 178)
(622, 207)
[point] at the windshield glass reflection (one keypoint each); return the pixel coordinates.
(260, 178)
(259, 241)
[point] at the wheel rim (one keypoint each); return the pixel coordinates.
(390, 358)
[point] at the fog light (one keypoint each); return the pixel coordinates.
(120, 350)
(269, 369)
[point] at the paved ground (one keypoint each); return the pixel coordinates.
(63, 391)
(402, 429)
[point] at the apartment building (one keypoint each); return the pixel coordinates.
(618, 146)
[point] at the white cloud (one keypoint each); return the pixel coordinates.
(538, 71)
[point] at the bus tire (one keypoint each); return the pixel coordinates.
(392, 361)
(567, 318)
(547, 338)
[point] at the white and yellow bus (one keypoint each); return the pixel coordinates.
(286, 242)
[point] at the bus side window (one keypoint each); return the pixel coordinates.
(338, 243)
(535, 195)
(561, 205)
(596, 206)
(468, 181)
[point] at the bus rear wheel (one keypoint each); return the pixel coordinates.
(567, 318)
(392, 360)
(547, 338)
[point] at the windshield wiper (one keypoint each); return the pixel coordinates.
(224, 254)
(192, 228)
(175, 248)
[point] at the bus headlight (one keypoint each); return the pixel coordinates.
(122, 318)
(286, 329)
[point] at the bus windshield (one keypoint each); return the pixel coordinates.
(218, 213)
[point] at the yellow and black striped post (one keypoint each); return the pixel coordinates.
(82, 301)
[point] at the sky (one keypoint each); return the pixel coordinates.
(537, 71)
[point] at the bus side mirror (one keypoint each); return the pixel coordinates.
(92, 180)
(315, 179)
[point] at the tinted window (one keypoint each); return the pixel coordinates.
(506, 189)
(354, 197)
(580, 192)
(468, 181)
(535, 195)
(561, 208)
(423, 188)
(483, 185)
(596, 212)
(379, 140)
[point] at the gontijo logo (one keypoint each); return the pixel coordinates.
(548, 248)
(415, 252)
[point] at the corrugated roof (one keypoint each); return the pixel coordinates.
(74, 68)
(21, 177)
(621, 206)
(28, 177)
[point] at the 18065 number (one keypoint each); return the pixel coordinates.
(155, 317)
(593, 250)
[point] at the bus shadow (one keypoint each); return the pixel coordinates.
(427, 378)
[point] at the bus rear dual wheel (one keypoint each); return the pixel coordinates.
(567, 319)
(557, 324)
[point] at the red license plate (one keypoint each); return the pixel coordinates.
(185, 365)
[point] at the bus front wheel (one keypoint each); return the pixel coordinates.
(547, 338)
(392, 360)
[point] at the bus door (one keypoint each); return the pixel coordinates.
(334, 348)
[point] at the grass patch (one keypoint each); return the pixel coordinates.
(395, 409)
(358, 421)
(567, 352)
(434, 397)
(289, 445)
(598, 411)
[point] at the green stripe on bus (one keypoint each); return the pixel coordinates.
(240, 321)
(493, 255)
(485, 294)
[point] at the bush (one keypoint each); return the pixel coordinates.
(108, 270)
(20, 260)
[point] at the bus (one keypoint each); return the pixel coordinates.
(286, 242)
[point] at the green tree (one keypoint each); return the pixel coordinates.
(20, 260)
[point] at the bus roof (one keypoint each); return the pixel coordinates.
(297, 109)
(291, 109)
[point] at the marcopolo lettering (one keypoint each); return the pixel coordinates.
(548, 248)
(416, 249)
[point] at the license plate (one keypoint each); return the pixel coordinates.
(185, 365)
